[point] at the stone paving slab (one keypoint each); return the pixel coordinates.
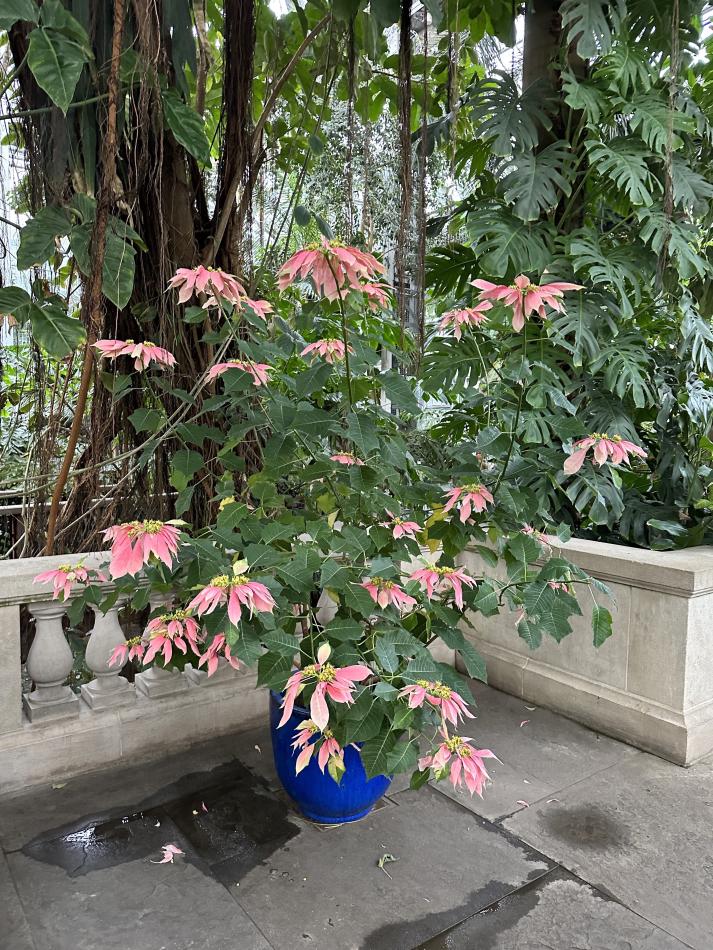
(14, 929)
(537, 759)
(556, 912)
(324, 889)
(130, 906)
(640, 831)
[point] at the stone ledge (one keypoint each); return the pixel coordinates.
(47, 752)
(685, 573)
(17, 577)
(682, 738)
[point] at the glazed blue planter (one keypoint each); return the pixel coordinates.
(317, 795)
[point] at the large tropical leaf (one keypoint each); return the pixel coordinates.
(511, 119)
(590, 24)
(57, 333)
(584, 96)
(681, 239)
(656, 123)
(623, 162)
(56, 61)
(186, 125)
(504, 244)
(621, 267)
(37, 238)
(534, 182)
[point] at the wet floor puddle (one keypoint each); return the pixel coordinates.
(226, 821)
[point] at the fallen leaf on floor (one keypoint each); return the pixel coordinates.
(169, 853)
(386, 859)
(531, 708)
(524, 804)
(204, 807)
(59, 785)
(550, 800)
(258, 749)
(524, 722)
(526, 781)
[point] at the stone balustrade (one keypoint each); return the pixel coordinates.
(651, 683)
(50, 731)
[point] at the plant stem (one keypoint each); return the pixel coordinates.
(517, 415)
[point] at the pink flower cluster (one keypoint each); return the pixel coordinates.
(237, 591)
(219, 647)
(464, 760)
(346, 458)
(606, 447)
(450, 704)
(400, 527)
(135, 542)
(384, 592)
(465, 317)
(338, 683)
(65, 576)
(468, 498)
(141, 353)
(258, 371)
(330, 349)
(334, 269)
(524, 297)
(306, 732)
(436, 579)
(219, 285)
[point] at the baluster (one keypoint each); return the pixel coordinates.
(49, 663)
(156, 681)
(107, 689)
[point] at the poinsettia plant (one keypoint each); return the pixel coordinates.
(334, 560)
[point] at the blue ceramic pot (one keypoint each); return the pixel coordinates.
(317, 795)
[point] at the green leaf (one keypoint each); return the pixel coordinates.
(364, 719)
(601, 624)
(303, 216)
(402, 757)
(187, 126)
(277, 641)
(386, 655)
(146, 420)
(530, 633)
(343, 629)
(13, 10)
(119, 264)
(534, 182)
(57, 333)
(361, 429)
(56, 63)
(12, 299)
(37, 238)
(375, 753)
(590, 24)
(273, 670)
(184, 465)
(299, 572)
(623, 161)
(385, 12)
(472, 660)
(398, 390)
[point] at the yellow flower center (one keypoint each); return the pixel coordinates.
(176, 615)
(145, 527)
(222, 581)
(133, 641)
(443, 571)
(455, 744)
(325, 674)
(380, 582)
(474, 487)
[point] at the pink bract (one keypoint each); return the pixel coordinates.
(206, 280)
(211, 658)
(524, 297)
(450, 703)
(466, 762)
(330, 349)
(333, 267)
(336, 682)
(258, 371)
(606, 447)
(141, 353)
(435, 579)
(346, 458)
(384, 592)
(135, 542)
(468, 498)
(237, 591)
(465, 317)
